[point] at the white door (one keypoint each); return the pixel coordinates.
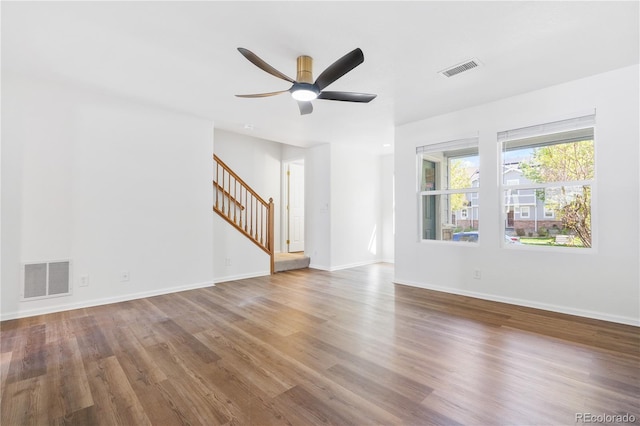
(295, 210)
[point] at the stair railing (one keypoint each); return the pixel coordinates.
(237, 203)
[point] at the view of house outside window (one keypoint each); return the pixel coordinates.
(547, 183)
(449, 181)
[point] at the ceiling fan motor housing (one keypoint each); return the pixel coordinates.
(304, 67)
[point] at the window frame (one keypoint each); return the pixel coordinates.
(552, 212)
(583, 123)
(441, 154)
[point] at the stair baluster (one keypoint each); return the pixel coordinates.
(258, 214)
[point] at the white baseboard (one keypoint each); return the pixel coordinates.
(98, 302)
(527, 303)
(320, 267)
(353, 265)
(240, 277)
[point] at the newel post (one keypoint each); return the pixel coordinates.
(271, 238)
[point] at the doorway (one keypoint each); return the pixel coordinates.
(294, 206)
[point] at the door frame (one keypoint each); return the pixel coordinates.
(285, 217)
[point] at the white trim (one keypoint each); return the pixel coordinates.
(99, 302)
(240, 277)
(545, 185)
(472, 190)
(353, 265)
(319, 267)
(347, 266)
(475, 244)
(526, 303)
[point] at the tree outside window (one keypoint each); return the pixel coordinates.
(558, 170)
(448, 190)
(564, 163)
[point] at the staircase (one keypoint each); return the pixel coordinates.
(290, 261)
(238, 204)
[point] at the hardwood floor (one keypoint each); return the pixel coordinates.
(309, 347)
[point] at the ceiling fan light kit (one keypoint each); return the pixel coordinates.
(303, 94)
(304, 89)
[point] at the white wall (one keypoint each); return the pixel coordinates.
(356, 226)
(348, 208)
(115, 185)
(317, 188)
(109, 183)
(292, 153)
(387, 208)
(343, 198)
(602, 283)
(258, 163)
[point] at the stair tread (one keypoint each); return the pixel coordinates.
(289, 261)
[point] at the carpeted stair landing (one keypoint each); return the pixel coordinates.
(289, 261)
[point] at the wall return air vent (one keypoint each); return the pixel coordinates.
(459, 68)
(46, 279)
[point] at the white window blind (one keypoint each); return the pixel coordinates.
(456, 145)
(578, 128)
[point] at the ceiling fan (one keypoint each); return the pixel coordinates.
(304, 89)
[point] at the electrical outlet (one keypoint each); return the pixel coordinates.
(84, 280)
(477, 275)
(124, 276)
(227, 261)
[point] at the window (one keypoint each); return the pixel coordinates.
(548, 212)
(556, 164)
(448, 185)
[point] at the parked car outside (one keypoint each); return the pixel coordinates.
(511, 239)
(473, 236)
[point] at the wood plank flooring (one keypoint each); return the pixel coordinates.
(309, 347)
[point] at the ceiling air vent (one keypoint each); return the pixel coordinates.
(457, 69)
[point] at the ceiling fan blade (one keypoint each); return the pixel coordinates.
(347, 96)
(340, 68)
(305, 107)
(262, 95)
(255, 60)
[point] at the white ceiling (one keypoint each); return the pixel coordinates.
(182, 55)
